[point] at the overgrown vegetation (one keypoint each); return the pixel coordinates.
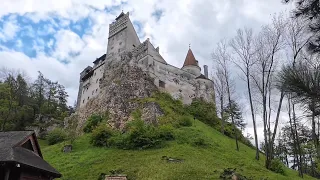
(173, 125)
(55, 136)
(277, 166)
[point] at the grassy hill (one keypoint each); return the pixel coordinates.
(88, 162)
(202, 151)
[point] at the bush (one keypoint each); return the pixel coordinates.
(200, 142)
(185, 121)
(142, 136)
(166, 132)
(101, 135)
(204, 111)
(277, 166)
(92, 122)
(56, 136)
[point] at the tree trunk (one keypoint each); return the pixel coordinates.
(298, 141)
(277, 119)
(232, 117)
(222, 115)
(253, 118)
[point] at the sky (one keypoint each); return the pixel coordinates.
(62, 37)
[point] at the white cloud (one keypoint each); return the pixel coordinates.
(67, 43)
(9, 30)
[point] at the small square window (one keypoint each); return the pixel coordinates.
(96, 90)
(120, 43)
(162, 84)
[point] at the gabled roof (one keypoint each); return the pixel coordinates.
(190, 59)
(11, 138)
(11, 151)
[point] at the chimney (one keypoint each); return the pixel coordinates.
(157, 49)
(205, 67)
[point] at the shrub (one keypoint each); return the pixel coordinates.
(185, 121)
(277, 166)
(166, 132)
(92, 122)
(203, 111)
(142, 136)
(119, 140)
(200, 142)
(101, 135)
(56, 136)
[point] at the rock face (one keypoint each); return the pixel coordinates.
(122, 83)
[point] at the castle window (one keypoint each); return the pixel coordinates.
(118, 50)
(97, 80)
(111, 47)
(88, 98)
(96, 90)
(92, 92)
(95, 74)
(120, 43)
(82, 101)
(162, 84)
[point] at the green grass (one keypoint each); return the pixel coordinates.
(87, 162)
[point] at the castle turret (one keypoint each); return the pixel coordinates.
(191, 64)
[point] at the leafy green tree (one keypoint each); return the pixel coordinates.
(234, 109)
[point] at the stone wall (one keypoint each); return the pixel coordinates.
(122, 83)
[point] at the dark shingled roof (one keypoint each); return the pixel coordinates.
(10, 151)
(201, 77)
(101, 58)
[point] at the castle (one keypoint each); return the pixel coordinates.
(184, 83)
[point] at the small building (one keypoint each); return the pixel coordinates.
(21, 158)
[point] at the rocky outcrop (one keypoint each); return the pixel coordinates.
(123, 82)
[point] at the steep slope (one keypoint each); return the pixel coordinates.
(88, 162)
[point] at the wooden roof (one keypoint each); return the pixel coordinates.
(11, 150)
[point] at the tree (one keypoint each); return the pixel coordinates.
(242, 45)
(268, 44)
(309, 11)
(220, 90)
(234, 110)
(222, 57)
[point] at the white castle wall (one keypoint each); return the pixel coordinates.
(90, 87)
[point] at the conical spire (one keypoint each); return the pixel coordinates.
(190, 59)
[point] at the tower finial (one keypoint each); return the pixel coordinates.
(189, 45)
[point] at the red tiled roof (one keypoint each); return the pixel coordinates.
(190, 59)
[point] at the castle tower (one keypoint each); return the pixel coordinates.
(122, 37)
(191, 64)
